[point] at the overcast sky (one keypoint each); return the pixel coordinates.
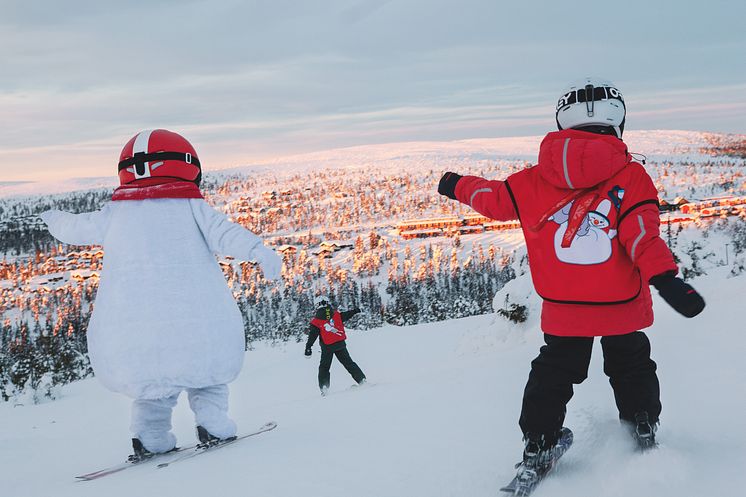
(250, 80)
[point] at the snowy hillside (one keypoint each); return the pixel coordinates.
(440, 415)
(439, 419)
(395, 156)
(400, 156)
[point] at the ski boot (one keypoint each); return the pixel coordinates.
(324, 391)
(643, 431)
(207, 439)
(539, 457)
(140, 452)
(537, 460)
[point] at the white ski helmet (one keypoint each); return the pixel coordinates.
(321, 301)
(605, 107)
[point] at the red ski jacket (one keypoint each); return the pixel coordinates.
(590, 218)
(331, 330)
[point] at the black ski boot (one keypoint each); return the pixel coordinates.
(206, 439)
(539, 457)
(140, 452)
(643, 431)
(537, 452)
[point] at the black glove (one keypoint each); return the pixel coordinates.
(356, 310)
(308, 351)
(447, 185)
(679, 295)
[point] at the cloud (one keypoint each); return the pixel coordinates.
(262, 77)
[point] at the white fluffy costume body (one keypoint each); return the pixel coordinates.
(164, 319)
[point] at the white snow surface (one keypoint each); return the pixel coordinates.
(438, 419)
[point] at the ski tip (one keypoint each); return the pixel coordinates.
(89, 476)
(510, 487)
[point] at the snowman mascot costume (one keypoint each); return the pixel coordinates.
(164, 319)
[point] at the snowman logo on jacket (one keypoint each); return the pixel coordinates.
(592, 243)
(329, 327)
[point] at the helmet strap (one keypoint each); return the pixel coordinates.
(589, 99)
(140, 158)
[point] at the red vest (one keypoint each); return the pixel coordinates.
(332, 330)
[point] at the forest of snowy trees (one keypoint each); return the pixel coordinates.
(48, 350)
(431, 284)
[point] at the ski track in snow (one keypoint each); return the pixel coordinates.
(438, 420)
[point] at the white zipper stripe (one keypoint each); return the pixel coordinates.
(639, 237)
(141, 142)
(141, 145)
(564, 163)
(481, 190)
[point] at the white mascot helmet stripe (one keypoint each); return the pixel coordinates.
(605, 107)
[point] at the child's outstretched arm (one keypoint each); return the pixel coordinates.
(639, 232)
(313, 334)
(227, 238)
(348, 314)
(487, 197)
(88, 228)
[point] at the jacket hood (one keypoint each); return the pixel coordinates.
(573, 159)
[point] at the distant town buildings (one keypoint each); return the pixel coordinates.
(716, 206)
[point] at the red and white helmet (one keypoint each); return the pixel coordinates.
(592, 102)
(158, 155)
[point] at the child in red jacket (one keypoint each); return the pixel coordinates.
(589, 214)
(328, 324)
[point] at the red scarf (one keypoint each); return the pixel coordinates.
(157, 188)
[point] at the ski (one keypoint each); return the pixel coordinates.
(131, 464)
(351, 388)
(526, 478)
(645, 444)
(203, 448)
(167, 458)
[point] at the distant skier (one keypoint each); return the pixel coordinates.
(329, 325)
(589, 215)
(164, 319)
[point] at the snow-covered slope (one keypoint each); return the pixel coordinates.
(466, 153)
(401, 157)
(28, 188)
(439, 419)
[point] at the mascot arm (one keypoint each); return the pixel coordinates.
(87, 228)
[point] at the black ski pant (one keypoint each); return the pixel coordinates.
(327, 354)
(563, 362)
